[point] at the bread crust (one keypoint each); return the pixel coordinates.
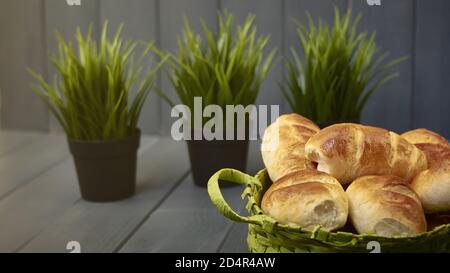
(283, 145)
(436, 154)
(348, 151)
(433, 185)
(423, 135)
(385, 206)
(307, 198)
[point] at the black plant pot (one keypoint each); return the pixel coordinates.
(106, 170)
(208, 157)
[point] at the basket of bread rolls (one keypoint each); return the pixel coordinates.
(344, 188)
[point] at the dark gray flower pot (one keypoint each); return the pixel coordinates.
(208, 157)
(106, 170)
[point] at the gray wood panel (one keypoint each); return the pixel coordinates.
(140, 23)
(22, 46)
(12, 140)
(35, 205)
(65, 19)
(394, 22)
(296, 11)
(420, 28)
(432, 69)
(104, 227)
(236, 240)
(263, 10)
(186, 222)
(171, 15)
(22, 165)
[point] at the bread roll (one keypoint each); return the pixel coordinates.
(307, 198)
(385, 206)
(433, 187)
(424, 136)
(283, 145)
(348, 151)
(436, 153)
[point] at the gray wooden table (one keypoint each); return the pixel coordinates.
(41, 209)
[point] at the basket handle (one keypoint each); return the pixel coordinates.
(224, 208)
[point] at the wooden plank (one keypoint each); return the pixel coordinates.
(171, 14)
(104, 227)
(12, 140)
(19, 167)
(236, 240)
(65, 19)
(31, 208)
(296, 11)
(269, 21)
(432, 66)
(187, 222)
(140, 23)
(22, 30)
(391, 106)
(180, 231)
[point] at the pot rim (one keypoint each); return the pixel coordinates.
(137, 134)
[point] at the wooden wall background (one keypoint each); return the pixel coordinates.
(417, 28)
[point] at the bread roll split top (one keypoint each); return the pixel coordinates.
(433, 188)
(436, 154)
(432, 185)
(283, 145)
(348, 151)
(307, 198)
(425, 136)
(385, 206)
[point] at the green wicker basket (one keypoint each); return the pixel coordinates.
(266, 235)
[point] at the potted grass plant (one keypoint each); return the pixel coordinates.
(339, 70)
(224, 68)
(92, 100)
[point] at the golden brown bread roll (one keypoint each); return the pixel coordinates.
(433, 188)
(432, 185)
(348, 151)
(424, 136)
(436, 153)
(283, 145)
(307, 198)
(385, 206)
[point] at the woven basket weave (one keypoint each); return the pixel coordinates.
(266, 235)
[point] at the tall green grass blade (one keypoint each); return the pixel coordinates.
(92, 96)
